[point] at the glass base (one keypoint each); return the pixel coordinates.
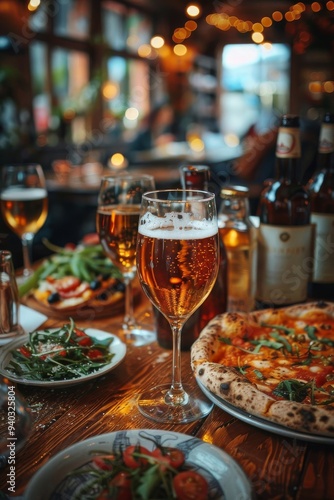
(152, 404)
(22, 278)
(136, 336)
(8, 336)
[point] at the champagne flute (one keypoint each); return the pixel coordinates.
(177, 263)
(24, 205)
(117, 226)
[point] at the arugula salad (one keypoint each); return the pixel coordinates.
(60, 354)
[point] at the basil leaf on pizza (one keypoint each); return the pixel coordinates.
(276, 364)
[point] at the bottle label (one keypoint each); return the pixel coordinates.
(288, 143)
(326, 140)
(323, 269)
(284, 263)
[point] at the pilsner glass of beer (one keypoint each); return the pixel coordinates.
(177, 263)
(24, 205)
(117, 226)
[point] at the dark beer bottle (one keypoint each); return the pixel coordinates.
(321, 189)
(193, 177)
(285, 234)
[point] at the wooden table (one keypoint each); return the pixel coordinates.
(278, 467)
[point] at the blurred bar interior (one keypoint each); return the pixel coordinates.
(90, 86)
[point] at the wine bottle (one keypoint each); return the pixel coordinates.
(321, 189)
(239, 236)
(285, 232)
(216, 302)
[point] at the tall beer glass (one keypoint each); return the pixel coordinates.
(177, 262)
(24, 205)
(117, 226)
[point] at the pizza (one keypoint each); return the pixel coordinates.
(276, 364)
(73, 277)
(70, 292)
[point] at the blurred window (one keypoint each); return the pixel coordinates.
(71, 19)
(80, 80)
(255, 84)
(124, 28)
(38, 21)
(72, 92)
(114, 25)
(127, 86)
(41, 100)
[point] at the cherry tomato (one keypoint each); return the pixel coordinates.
(189, 485)
(95, 354)
(122, 482)
(104, 495)
(76, 292)
(62, 353)
(25, 351)
(66, 284)
(85, 341)
(172, 456)
(81, 338)
(135, 462)
(79, 333)
(321, 378)
(70, 246)
(91, 239)
(104, 462)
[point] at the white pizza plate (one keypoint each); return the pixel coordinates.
(261, 422)
(117, 347)
(226, 479)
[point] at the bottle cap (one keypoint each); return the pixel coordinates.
(231, 191)
(289, 121)
(329, 117)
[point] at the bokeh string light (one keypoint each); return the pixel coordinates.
(257, 30)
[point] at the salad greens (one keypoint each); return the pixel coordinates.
(61, 354)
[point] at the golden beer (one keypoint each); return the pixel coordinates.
(24, 210)
(117, 226)
(240, 251)
(177, 270)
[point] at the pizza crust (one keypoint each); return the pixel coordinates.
(233, 387)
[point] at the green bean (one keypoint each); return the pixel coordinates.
(56, 248)
(53, 266)
(33, 280)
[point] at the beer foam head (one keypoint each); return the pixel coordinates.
(176, 225)
(18, 194)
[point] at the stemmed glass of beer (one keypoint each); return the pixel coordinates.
(24, 205)
(177, 263)
(117, 226)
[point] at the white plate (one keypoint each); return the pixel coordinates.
(226, 479)
(261, 422)
(117, 347)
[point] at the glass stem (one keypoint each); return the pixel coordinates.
(128, 321)
(176, 394)
(27, 251)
